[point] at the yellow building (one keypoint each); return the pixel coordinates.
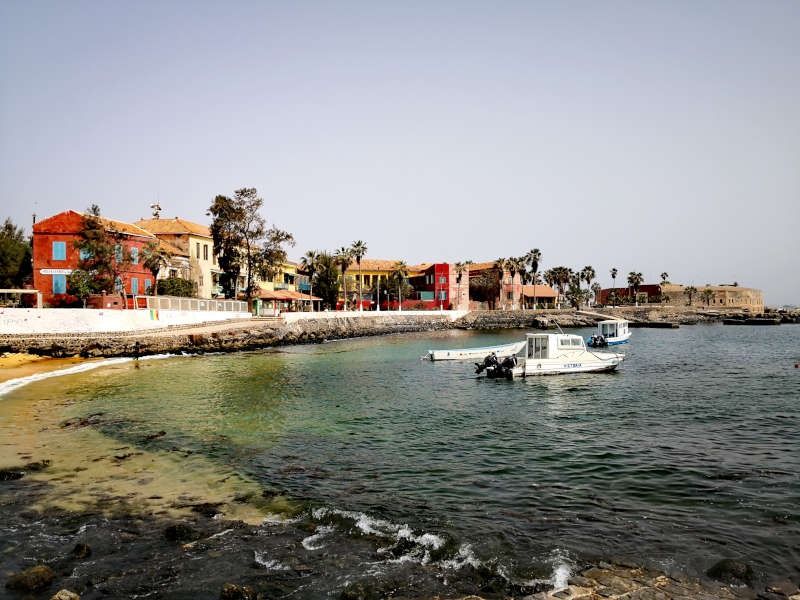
(288, 290)
(194, 241)
(722, 297)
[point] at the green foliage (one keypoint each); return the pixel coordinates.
(242, 240)
(177, 286)
(326, 279)
(80, 284)
(99, 249)
(15, 256)
(398, 282)
(155, 258)
(706, 296)
(689, 292)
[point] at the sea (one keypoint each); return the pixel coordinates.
(359, 465)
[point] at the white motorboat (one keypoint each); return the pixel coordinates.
(610, 333)
(550, 354)
(476, 353)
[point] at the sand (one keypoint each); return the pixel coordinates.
(15, 365)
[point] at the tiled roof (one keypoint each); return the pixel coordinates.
(374, 264)
(284, 295)
(482, 266)
(171, 248)
(123, 227)
(174, 226)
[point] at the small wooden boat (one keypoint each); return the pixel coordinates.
(476, 353)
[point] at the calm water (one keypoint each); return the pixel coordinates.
(687, 455)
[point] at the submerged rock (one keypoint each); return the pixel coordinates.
(11, 474)
(231, 591)
(180, 532)
(81, 551)
(31, 579)
(731, 570)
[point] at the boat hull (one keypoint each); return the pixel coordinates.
(476, 353)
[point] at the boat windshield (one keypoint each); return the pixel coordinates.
(537, 347)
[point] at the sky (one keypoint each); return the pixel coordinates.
(646, 136)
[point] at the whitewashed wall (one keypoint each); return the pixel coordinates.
(89, 320)
(292, 317)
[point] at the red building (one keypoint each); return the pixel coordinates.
(55, 255)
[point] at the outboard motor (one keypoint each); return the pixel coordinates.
(598, 341)
(503, 369)
(489, 362)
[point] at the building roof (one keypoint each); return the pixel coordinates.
(75, 217)
(374, 264)
(176, 226)
(284, 295)
(482, 266)
(171, 248)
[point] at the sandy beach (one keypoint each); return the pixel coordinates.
(14, 365)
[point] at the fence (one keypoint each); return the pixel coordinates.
(189, 304)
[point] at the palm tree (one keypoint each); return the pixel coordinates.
(707, 295)
(614, 281)
(343, 258)
(399, 273)
(634, 281)
(501, 264)
(664, 277)
(514, 266)
(309, 264)
(359, 249)
(690, 292)
(156, 257)
(533, 257)
(596, 288)
(588, 274)
(460, 268)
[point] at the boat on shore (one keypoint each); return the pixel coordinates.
(550, 354)
(610, 333)
(500, 351)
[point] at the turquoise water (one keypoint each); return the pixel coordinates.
(690, 453)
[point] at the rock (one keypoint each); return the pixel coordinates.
(11, 474)
(207, 509)
(731, 570)
(81, 551)
(784, 588)
(65, 595)
(31, 579)
(231, 591)
(180, 532)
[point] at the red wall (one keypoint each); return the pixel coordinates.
(64, 227)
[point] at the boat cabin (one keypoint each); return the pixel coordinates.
(613, 328)
(550, 345)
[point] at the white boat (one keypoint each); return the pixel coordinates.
(551, 354)
(476, 353)
(610, 333)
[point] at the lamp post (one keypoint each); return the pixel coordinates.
(378, 307)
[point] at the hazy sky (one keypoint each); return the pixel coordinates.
(645, 136)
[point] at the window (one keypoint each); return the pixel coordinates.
(509, 295)
(200, 280)
(442, 295)
(60, 252)
(135, 256)
(59, 283)
(173, 272)
(118, 253)
(442, 279)
(134, 285)
(197, 253)
(147, 285)
(205, 251)
(118, 286)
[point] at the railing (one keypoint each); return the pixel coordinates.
(191, 304)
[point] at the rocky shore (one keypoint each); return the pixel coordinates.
(255, 334)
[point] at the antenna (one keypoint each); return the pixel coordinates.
(156, 207)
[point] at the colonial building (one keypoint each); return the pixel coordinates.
(436, 287)
(193, 241)
(671, 294)
(513, 294)
(56, 255)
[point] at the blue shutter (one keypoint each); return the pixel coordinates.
(60, 251)
(118, 253)
(135, 255)
(59, 283)
(134, 285)
(147, 285)
(118, 287)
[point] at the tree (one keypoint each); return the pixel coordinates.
(326, 277)
(533, 257)
(575, 294)
(309, 264)
(486, 287)
(227, 242)
(155, 258)
(596, 289)
(177, 286)
(460, 269)
(634, 281)
(501, 264)
(560, 277)
(269, 260)
(588, 274)
(689, 292)
(614, 272)
(358, 250)
(515, 265)
(707, 295)
(664, 278)
(15, 256)
(80, 285)
(102, 253)
(242, 240)
(399, 279)
(344, 257)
